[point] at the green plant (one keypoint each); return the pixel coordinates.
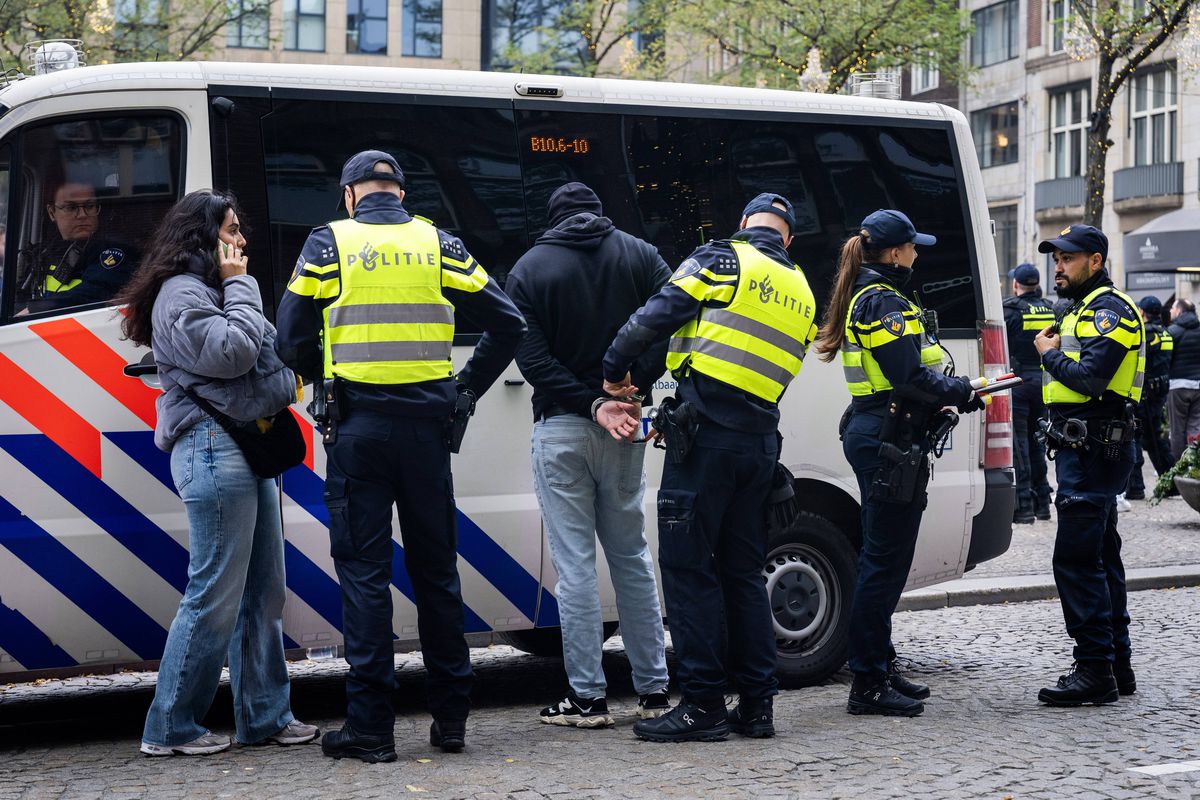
(1188, 466)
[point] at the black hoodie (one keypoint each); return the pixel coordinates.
(1185, 358)
(577, 285)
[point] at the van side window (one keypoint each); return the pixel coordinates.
(92, 192)
(460, 172)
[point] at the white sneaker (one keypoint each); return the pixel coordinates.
(295, 732)
(1123, 504)
(204, 745)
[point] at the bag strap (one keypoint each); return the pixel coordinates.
(224, 420)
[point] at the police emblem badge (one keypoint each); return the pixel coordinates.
(1065, 231)
(893, 323)
(689, 267)
(1106, 321)
(112, 257)
(300, 262)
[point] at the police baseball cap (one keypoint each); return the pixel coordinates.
(890, 228)
(1025, 274)
(1150, 304)
(765, 204)
(361, 167)
(1077, 239)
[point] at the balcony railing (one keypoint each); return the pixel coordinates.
(1058, 193)
(1151, 180)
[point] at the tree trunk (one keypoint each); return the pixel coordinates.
(1098, 144)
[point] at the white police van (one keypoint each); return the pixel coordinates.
(92, 535)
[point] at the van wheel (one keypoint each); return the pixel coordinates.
(810, 571)
(544, 642)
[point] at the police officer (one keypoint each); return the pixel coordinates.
(1094, 361)
(1152, 407)
(371, 308)
(897, 387)
(1026, 313)
(82, 266)
(740, 316)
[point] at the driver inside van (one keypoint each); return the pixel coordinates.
(80, 265)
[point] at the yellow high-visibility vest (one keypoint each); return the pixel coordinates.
(390, 323)
(1081, 324)
(861, 370)
(757, 342)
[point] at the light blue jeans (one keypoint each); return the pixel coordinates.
(590, 487)
(233, 604)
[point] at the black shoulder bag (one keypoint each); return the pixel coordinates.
(271, 446)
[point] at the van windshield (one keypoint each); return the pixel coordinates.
(92, 191)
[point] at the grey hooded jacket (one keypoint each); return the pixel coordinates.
(220, 347)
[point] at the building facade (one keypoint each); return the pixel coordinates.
(1029, 106)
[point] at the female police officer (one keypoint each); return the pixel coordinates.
(897, 388)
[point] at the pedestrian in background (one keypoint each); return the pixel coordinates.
(192, 302)
(1095, 362)
(370, 309)
(1152, 407)
(575, 287)
(740, 316)
(893, 370)
(1025, 313)
(1183, 399)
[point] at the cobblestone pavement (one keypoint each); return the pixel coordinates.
(1154, 536)
(982, 736)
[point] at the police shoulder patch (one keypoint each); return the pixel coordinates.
(300, 262)
(1106, 320)
(893, 323)
(111, 257)
(690, 266)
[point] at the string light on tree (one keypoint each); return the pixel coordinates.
(1188, 52)
(813, 78)
(1078, 40)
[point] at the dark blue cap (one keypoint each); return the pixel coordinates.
(1150, 304)
(361, 167)
(765, 204)
(1026, 275)
(890, 228)
(1077, 239)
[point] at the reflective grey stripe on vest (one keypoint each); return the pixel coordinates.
(391, 313)
(758, 330)
(1070, 344)
(855, 374)
(733, 355)
(370, 352)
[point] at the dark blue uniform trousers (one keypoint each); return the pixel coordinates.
(376, 462)
(889, 540)
(1030, 454)
(1087, 552)
(712, 538)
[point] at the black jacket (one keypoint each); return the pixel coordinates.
(576, 286)
(1022, 355)
(1185, 359)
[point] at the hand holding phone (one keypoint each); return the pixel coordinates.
(230, 260)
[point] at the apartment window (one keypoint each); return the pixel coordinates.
(995, 36)
(248, 24)
(1058, 12)
(1005, 218)
(995, 131)
(1069, 111)
(1155, 104)
(422, 28)
(140, 28)
(304, 25)
(924, 78)
(366, 26)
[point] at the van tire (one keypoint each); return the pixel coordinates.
(810, 571)
(544, 642)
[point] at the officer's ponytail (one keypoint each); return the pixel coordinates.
(833, 326)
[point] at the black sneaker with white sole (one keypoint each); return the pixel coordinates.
(753, 718)
(687, 722)
(653, 705)
(578, 712)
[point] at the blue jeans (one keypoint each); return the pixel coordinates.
(233, 604)
(589, 487)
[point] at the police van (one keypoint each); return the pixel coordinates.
(93, 537)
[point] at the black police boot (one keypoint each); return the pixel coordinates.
(1087, 682)
(917, 691)
(753, 718)
(448, 734)
(878, 696)
(686, 722)
(349, 743)
(1023, 513)
(1123, 673)
(1041, 507)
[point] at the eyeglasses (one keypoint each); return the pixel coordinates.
(79, 209)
